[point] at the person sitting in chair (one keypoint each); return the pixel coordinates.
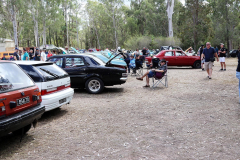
(151, 73)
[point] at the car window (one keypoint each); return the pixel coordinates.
(74, 62)
(94, 62)
(169, 53)
(51, 71)
(5, 54)
(57, 61)
(32, 73)
(179, 53)
(8, 79)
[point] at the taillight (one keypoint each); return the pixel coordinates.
(52, 90)
(119, 66)
(39, 97)
(2, 109)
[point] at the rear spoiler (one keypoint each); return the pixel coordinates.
(42, 64)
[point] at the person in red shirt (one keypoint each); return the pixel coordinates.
(49, 54)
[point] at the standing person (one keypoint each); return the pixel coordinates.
(43, 55)
(31, 55)
(144, 51)
(202, 59)
(25, 55)
(222, 56)
(209, 53)
(16, 55)
(49, 54)
(37, 55)
(238, 71)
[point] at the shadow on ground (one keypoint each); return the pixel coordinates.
(52, 115)
(106, 90)
(11, 141)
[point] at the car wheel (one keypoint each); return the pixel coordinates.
(94, 85)
(197, 64)
(23, 130)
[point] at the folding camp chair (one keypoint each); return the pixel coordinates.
(160, 78)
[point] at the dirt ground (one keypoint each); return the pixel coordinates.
(194, 118)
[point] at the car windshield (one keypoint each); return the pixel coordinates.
(51, 71)
(8, 79)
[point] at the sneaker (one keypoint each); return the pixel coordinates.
(221, 69)
(224, 69)
(209, 77)
(202, 69)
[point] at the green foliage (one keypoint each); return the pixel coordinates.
(138, 42)
(107, 23)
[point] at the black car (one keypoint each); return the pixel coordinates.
(89, 72)
(233, 53)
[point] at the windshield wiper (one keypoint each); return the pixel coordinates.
(52, 74)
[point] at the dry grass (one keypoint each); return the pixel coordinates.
(195, 118)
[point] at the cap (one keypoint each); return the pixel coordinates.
(16, 48)
(221, 44)
(36, 48)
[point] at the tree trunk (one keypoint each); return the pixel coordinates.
(44, 32)
(115, 29)
(170, 13)
(14, 23)
(195, 21)
(36, 28)
(227, 26)
(57, 39)
(50, 41)
(66, 25)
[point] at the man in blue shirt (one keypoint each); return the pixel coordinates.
(209, 53)
(25, 55)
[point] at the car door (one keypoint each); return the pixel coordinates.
(77, 70)
(170, 57)
(181, 58)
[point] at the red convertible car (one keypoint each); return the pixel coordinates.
(177, 58)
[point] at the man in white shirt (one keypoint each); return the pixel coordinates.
(43, 55)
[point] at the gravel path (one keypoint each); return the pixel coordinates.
(195, 118)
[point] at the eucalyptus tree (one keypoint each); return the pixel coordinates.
(9, 9)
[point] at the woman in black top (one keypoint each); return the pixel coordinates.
(238, 71)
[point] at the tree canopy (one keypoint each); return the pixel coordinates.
(111, 23)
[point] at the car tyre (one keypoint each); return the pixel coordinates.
(25, 130)
(94, 85)
(197, 64)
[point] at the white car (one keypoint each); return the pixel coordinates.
(53, 82)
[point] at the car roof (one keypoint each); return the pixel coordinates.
(31, 62)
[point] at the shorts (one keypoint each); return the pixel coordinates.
(203, 61)
(222, 59)
(208, 65)
(151, 74)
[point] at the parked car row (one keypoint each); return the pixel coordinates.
(30, 88)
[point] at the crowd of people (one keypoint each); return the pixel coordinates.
(24, 55)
